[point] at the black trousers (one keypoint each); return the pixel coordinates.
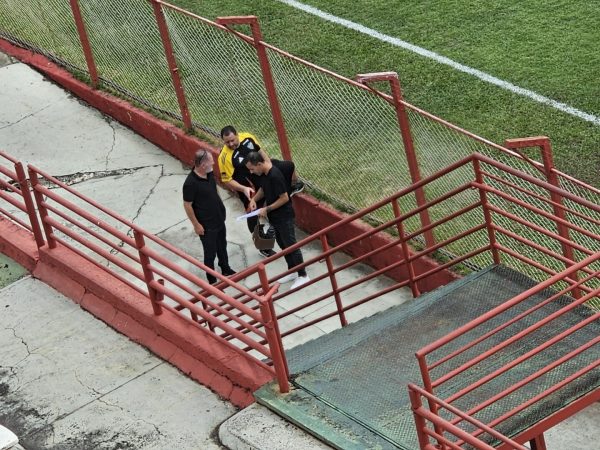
(285, 235)
(214, 243)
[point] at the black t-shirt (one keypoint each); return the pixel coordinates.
(241, 174)
(287, 169)
(208, 206)
(273, 185)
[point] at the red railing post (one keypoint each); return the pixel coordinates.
(85, 43)
(421, 425)
(163, 29)
(538, 442)
(334, 284)
(39, 200)
(155, 298)
(543, 142)
(406, 250)
(486, 212)
(433, 406)
(26, 193)
(267, 74)
(409, 149)
(269, 318)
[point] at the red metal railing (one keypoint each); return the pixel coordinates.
(404, 259)
(248, 318)
(442, 427)
(137, 262)
(17, 184)
(488, 328)
(492, 234)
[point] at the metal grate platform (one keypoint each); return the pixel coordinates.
(349, 387)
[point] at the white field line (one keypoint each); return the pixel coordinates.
(443, 60)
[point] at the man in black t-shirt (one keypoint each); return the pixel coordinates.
(206, 211)
(236, 177)
(274, 189)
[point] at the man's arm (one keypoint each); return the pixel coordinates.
(281, 200)
(226, 170)
(257, 197)
(198, 228)
(235, 186)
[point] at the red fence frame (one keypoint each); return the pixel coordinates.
(221, 313)
(146, 264)
(431, 384)
(407, 258)
(19, 186)
(363, 82)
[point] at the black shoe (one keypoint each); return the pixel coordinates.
(211, 279)
(297, 187)
(228, 271)
(266, 253)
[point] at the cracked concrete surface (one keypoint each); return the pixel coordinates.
(68, 381)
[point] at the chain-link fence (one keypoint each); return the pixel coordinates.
(344, 137)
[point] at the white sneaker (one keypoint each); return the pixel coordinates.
(300, 281)
(291, 277)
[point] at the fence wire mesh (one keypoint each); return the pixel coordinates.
(344, 139)
(222, 78)
(45, 26)
(128, 52)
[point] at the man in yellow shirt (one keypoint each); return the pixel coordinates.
(236, 176)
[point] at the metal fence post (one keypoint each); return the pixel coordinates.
(172, 63)
(421, 425)
(334, 284)
(85, 43)
(26, 193)
(267, 74)
(486, 212)
(411, 156)
(267, 311)
(543, 143)
(39, 200)
(155, 298)
(406, 250)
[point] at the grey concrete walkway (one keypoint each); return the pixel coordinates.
(67, 380)
(42, 124)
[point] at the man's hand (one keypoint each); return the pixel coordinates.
(199, 229)
(262, 212)
(251, 205)
(248, 192)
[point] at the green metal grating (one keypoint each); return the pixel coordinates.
(350, 385)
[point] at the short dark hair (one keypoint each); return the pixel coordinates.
(199, 156)
(254, 158)
(225, 131)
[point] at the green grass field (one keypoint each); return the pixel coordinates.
(549, 47)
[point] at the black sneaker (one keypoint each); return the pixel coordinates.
(297, 187)
(211, 279)
(228, 271)
(266, 253)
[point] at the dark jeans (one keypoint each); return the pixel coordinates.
(285, 235)
(251, 221)
(214, 243)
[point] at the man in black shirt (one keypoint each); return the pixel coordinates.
(274, 189)
(235, 174)
(206, 211)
